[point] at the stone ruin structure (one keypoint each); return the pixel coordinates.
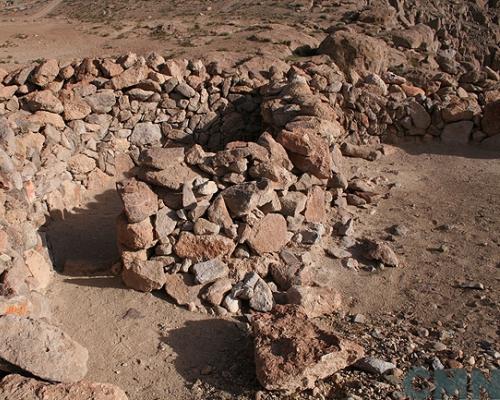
(228, 177)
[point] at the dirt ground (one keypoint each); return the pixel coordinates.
(448, 199)
(69, 30)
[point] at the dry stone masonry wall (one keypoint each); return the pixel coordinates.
(227, 175)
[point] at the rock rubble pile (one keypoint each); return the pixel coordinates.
(227, 175)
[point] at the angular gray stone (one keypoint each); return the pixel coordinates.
(209, 271)
(146, 133)
(42, 349)
(262, 298)
(374, 365)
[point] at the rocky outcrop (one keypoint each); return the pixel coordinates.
(291, 352)
(41, 349)
(17, 387)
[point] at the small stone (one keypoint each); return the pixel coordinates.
(203, 226)
(231, 304)
(216, 291)
(145, 133)
(262, 299)
(346, 229)
(179, 287)
(472, 285)
(436, 364)
(139, 201)
(135, 236)
(337, 252)
(380, 251)
(359, 319)
(374, 365)
(269, 234)
(209, 271)
(144, 275)
(203, 247)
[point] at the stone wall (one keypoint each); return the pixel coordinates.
(67, 131)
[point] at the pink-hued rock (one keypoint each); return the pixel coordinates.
(308, 151)
(42, 349)
(139, 201)
(269, 234)
(292, 353)
(316, 205)
(203, 247)
(134, 236)
(17, 387)
(143, 275)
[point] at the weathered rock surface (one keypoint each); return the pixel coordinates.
(204, 247)
(209, 271)
(144, 275)
(292, 353)
(351, 50)
(315, 301)
(17, 387)
(381, 251)
(269, 234)
(139, 201)
(41, 349)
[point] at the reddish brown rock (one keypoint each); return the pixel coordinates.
(216, 291)
(134, 236)
(182, 289)
(43, 101)
(130, 77)
(269, 234)
(6, 92)
(243, 198)
(292, 353)
(17, 387)
(316, 205)
(203, 247)
(75, 108)
(381, 251)
(144, 276)
(171, 177)
(315, 301)
(139, 201)
(308, 151)
(40, 271)
(110, 69)
(352, 50)
(45, 73)
(162, 158)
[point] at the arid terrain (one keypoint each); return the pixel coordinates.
(422, 177)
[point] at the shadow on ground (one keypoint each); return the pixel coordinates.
(216, 352)
(82, 241)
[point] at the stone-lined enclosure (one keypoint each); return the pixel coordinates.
(228, 175)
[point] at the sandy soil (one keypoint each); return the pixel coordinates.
(449, 198)
(69, 30)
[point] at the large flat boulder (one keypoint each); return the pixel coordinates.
(42, 349)
(292, 353)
